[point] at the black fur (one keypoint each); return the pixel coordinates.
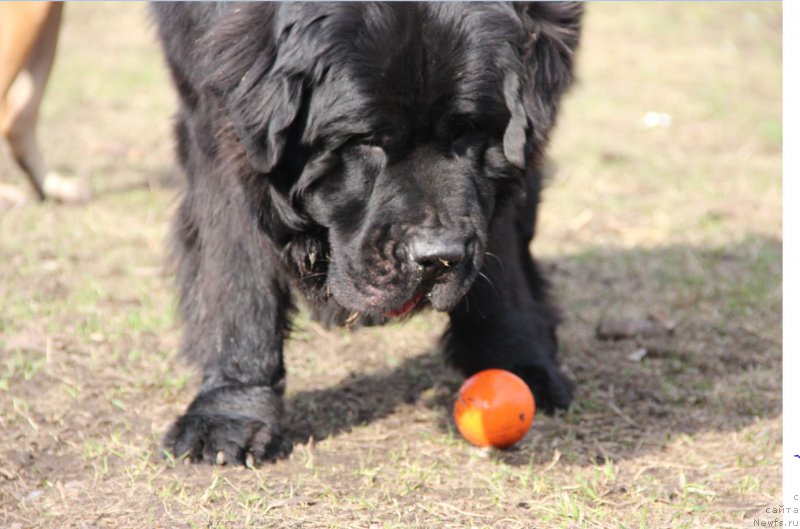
(377, 159)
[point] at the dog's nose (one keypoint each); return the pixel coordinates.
(435, 254)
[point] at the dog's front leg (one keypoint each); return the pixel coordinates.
(506, 320)
(235, 308)
(28, 38)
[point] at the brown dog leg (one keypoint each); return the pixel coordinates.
(28, 37)
(21, 23)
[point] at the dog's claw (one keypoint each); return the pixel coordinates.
(249, 460)
(220, 457)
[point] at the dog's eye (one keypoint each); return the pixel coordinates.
(373, 140)
(365, 141)
(386, 139)
(464, 136)
(458, 127)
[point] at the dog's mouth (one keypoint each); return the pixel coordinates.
(397, 298)
(406, 307)
(441, 293)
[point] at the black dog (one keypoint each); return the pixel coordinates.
(377, 158)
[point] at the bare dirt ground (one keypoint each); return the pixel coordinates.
(681, 221)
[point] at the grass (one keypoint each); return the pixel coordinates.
(683, 221)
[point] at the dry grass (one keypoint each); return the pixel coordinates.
(683, 221)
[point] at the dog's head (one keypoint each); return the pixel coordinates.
(380, 138)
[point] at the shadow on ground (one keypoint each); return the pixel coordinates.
(719, 370)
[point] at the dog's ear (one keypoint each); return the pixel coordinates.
(552, 34)
(263, 112)
(261, 94)
(516, 145)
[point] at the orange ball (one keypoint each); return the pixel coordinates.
(494, 408)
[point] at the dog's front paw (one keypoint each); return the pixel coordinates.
(66, 190)
(552, 389)
(231, 425)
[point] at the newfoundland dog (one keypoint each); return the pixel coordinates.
(375, 158)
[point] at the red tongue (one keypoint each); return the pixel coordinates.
(407, 307)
